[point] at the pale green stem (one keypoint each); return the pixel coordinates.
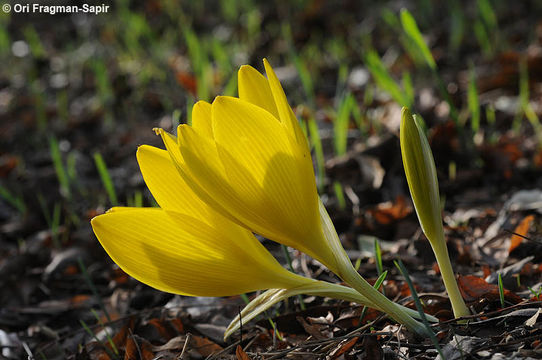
(354, 279)
(447, 273)
(344, 293)
(349, 274)
(313, 287)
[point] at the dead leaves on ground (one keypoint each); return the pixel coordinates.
(136, 341)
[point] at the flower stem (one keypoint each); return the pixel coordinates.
(445, 266)
(349, 274)
(354, 279)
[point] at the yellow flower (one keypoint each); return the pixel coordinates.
(186, 247)
(422, 181)
(249, 159)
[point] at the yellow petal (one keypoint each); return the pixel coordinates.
(211, 173)
(263, 181)
(204, 148)
(172, 147)
(180, 254)
(166, 184)
(201, 118)
(254, 88)
(286, 115)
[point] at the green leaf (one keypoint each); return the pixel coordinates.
(411, 29)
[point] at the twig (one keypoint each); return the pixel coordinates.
(135, 342)
(186, 341)
(476, 316)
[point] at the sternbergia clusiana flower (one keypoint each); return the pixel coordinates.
(186, 247)
(247, 158)
(422, 180)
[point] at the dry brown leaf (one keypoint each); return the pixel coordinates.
(204, 346)
(343, 347)
(474, 288)
(388, 212)
(120, 337)
(240, 354)
(79, 299)
(131, 351)
(522, 229)
(162, 330)
(178, 325)
(7, 164)
(317, 331)
(187, 81)
(176, 343)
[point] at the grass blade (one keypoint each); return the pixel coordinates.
(473, 101)
(501, 289)
(106, 178)
(316, 142)
(411, 29)
(14, 200)
(399, 264)
(383, 79)
(61, 172)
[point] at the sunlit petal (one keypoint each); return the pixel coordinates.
(254, 88)
(201, 118)
(192, 259)
(171, 144)
(264, 182)
(166, 184)
(286, 115)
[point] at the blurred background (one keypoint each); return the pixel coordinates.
(79, 93)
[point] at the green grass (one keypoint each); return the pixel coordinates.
(199, 60)
(378, 261)
(501, 289)
(61, 173)
(92, 287)
(342, 124)
(316, 143)
(378, 283)
(15, 200)
(487, 29)
(473, 101)
(39, 106)
(34, 43)
(378, 257)
(410, 27)
(483, 38)
(112, 354)
(458, 25)
(384, 80)
(402, 269)
(106, 178)
(108, 336)
(136, 200)
(525, 106)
